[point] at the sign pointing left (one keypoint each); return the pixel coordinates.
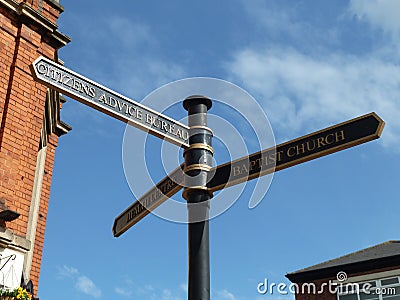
(109, 102)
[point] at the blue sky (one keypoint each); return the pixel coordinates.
(308, 64)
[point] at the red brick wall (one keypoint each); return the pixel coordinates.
(47, 9)
(22, 103)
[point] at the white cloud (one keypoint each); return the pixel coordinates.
(168, 295)
(87, 286)
(128, 33)
(184, 287)
(82, 283)
(382, 14)
(133, 289)
(66, 271)
(300, 92)
(304, 92)
(225, 295)
(123, 292)
(149, 287)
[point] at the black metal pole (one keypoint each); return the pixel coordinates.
(198, 161)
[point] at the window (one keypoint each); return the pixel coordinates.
(380, 289)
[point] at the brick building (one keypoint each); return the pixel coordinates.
(372, 273)
(30, 127)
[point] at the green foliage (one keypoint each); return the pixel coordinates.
(15, 294)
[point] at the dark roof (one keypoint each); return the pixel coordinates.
(377, 256)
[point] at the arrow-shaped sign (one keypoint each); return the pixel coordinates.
(320, 143)
(109, 102)
(163, 190)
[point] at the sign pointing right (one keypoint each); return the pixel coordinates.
(320, 143)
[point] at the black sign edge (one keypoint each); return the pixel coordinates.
(111, 113)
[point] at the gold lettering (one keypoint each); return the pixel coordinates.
(272, 157)
(253, 163)
(332, 140)
(153, 197)
(135, 211)
(280, 155)
(301, 149)
(308, 146)
(236, 171)
(244, 169)
(294, 152)
(320, 142)
(169, 185)
(260, 161)
(164, 189)
(340, 137)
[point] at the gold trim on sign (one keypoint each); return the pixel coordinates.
(202, 127)
(201, 167)
(200, 146)
(194, 188)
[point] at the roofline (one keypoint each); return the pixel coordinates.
(357, 267)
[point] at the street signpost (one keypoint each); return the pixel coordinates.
(201, 179)
(317, 144)
(109, 102)
(198, 161)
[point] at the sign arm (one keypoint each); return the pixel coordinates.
(314, 145)
(163, 190)
(109, 102)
